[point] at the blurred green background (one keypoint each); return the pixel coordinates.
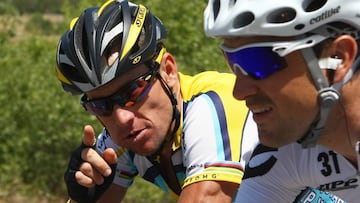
(40, 124)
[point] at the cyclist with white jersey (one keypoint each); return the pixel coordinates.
(296, 63)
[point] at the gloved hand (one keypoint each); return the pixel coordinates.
(85, 163)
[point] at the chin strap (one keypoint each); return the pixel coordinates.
(175, 117)
(162, 157)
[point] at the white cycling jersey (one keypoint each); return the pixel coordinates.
(279, 175)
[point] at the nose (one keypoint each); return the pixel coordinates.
(244, 86)
(123, 115)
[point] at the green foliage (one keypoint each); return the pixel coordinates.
(41, 124)
(186, 40)
(8, 21)
(34, 6)
(8, 9)
(38, 24)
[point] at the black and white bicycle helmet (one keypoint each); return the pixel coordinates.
(83, 50)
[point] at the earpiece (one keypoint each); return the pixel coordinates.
(331, 63)
(329, 96)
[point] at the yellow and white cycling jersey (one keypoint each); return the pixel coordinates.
(210, 145)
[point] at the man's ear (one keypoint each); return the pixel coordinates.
(345, 49)
(169, 69)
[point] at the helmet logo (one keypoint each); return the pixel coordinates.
(136, 60)
(325, 15)
(141, 15)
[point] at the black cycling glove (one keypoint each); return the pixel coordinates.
(78, 192)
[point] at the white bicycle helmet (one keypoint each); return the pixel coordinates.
(291, 18)
(276, 17)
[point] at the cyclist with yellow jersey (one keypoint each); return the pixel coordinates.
(179, 132)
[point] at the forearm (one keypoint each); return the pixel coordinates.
(115, 194)
(208, 191)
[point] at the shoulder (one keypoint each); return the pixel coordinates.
(277, 161)
(299, 164)
(262, 161)
(205, 82)
(212, 91)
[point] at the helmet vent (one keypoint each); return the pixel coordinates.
(299, 27)
(282, 15)
(313, 5)
(243, 19)
(216, 8)
(72, 73)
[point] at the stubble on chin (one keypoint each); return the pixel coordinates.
(268, 138)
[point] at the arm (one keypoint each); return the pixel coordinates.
(208, 191)
(108, 197)
(212, 153)
(114, 191)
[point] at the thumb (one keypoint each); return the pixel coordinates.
(89, 136)
(110, 156)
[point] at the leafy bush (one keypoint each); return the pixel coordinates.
(38, 24)
(186, 40)
(40, 124)
(8, 9)
(34, 6)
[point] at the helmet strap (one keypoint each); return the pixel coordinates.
(175, 117)
(327, 97)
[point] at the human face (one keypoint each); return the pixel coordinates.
(284, 103)
(141, 127)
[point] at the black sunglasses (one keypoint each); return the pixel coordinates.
(126, 96)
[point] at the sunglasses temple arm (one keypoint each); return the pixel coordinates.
(168, 90)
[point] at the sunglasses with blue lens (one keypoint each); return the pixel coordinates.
(260, 60)
(126, 96)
